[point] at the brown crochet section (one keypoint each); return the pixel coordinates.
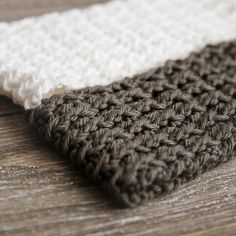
(143, 136)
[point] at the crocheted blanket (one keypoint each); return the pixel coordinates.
(140, 94)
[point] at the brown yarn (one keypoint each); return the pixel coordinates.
(143, 136)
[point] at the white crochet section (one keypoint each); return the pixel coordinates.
(60, 51)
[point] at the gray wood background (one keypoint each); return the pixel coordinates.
(43, 194)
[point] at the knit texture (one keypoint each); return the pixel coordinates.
(71, 50)
(146, 135)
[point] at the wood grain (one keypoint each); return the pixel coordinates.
(41, 193)
(16, 9)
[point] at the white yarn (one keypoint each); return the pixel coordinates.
(60, 51)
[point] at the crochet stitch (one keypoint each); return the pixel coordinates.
(45, 55)
(146, 135)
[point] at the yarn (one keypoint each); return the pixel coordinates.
(44, 55)
(146, 135)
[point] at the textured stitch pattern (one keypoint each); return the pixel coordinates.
(143, 136)
(105, 43)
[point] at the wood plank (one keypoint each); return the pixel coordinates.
(16, 9)
(228, 230)
(41, 193)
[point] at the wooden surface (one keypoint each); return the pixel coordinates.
(43, 194)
